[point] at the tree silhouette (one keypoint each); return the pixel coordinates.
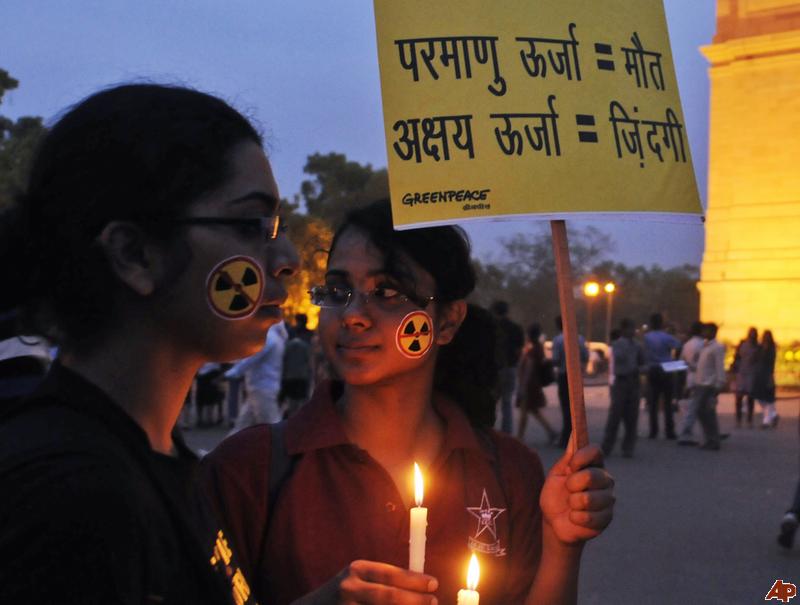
(339, 185)
(18, 142)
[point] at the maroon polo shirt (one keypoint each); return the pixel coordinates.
(338, 504)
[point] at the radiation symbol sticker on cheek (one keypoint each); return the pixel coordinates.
(235, 287)
(415, 334)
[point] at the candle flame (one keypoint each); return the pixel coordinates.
(473, 573)
(418, 487)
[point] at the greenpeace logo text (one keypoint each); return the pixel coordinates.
(437, 197)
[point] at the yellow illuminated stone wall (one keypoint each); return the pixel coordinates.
(751, 266)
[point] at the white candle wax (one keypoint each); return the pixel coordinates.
(468, 597)
(416, 544)
(418, 525)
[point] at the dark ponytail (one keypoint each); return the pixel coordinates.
(466, 370)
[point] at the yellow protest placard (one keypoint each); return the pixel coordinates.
(543, 108)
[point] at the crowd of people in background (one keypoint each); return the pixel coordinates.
(672, 375)
(263, 388)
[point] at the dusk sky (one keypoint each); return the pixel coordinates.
(306, 71)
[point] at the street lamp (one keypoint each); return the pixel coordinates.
(590, 289)
(609, 288)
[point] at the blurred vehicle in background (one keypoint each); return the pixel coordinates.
(598, 357)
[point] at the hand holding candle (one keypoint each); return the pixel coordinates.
(470, 596)
(419, 523)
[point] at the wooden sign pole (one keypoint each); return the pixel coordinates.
(580, 434)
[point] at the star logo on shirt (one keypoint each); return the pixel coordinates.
(486, 515)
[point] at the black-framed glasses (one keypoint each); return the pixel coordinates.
(269, 226)
(387, 299)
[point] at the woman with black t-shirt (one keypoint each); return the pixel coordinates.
(146, 243)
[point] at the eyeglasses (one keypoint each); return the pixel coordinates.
(387, 299)
(269, 226)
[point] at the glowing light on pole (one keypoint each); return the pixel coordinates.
(609, 289)
(590, 289)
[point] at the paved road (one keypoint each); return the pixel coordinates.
(691, 526)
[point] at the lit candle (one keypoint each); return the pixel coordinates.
(470, 596)
(419, 522)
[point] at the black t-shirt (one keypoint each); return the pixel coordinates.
(89, 513)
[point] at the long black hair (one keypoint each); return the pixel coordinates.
(126, 153)
(466, 370)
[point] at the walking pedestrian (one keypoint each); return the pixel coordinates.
(744, 368)
(791, 518)
(659, 347)
(535, 372)
(261, 374)
(209, 394)
(300, 329)
(710, 379)
(690, 353)
(764, 380)
(628, 363)
(296, 373)
(790, 521)
(509, 348)
(147, 242)
(560, 364)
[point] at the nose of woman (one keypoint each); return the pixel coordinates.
(282, 258)
(357, 314)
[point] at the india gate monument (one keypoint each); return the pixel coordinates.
(750, 274)
(751, 265)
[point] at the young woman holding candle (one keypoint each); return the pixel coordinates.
(147, 207)
(416, 369)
